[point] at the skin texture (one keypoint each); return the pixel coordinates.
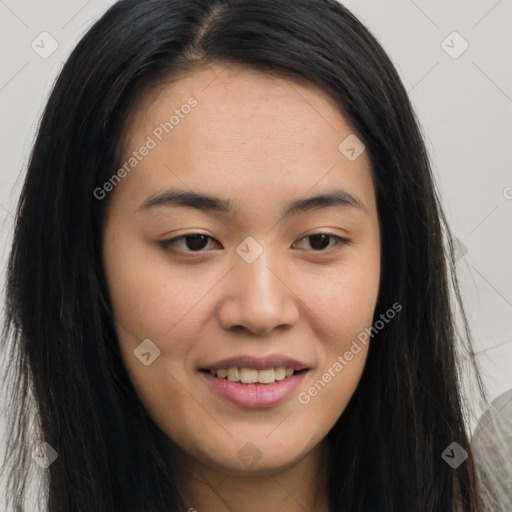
(260, 141)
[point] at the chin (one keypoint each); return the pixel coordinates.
(253, 453)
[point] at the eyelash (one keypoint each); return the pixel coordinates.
(166, 244)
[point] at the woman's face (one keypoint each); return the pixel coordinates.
(268, 287)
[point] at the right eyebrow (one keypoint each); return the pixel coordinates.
(175, 197)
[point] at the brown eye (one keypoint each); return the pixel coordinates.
(320, 241)
(193, 243)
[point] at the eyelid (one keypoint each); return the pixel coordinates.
(166, 244)
(340, 242)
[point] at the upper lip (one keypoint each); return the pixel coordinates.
(257, 363)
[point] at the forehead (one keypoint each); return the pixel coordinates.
(248, 131)
(239, 103)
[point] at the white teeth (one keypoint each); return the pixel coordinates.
(232, 374)
(251, 375)
(248, 375)
(266, 376)
(280, 373)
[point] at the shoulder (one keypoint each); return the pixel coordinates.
(492, 448)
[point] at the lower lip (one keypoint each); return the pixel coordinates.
(254, 396)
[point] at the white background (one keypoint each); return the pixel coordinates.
(464, 105)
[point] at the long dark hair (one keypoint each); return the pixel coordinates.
(66, 376)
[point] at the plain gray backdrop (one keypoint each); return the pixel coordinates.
(455, 60)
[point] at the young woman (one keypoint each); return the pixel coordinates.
(230, 286)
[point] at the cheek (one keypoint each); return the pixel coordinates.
(325, 396)
(343, 299)
(151, 298)
(346, 306)
(345, 302)
(151, 303)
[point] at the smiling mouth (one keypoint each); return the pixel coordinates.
(253, 376)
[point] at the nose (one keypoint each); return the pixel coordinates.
(259, 297)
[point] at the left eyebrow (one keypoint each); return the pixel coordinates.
(338, 197)
(205, 202)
